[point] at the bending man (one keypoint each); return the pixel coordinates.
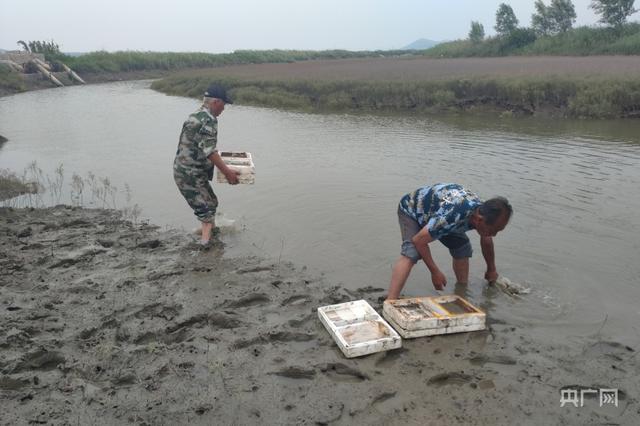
(197, 155)
(445, 212)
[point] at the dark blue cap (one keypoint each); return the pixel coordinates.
(218, 92)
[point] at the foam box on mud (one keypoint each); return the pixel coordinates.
(241, 162)
(429, 316)
(358, 329)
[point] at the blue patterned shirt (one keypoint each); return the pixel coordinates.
(444, 208)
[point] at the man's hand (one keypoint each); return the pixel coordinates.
(489, 256)
(229, 173)
(491, 275)
(421, 241)
(439, 280)
(232, 176)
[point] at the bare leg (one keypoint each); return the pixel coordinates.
(401, 270)
(207, 230)
(461, 269)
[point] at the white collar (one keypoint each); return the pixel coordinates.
(205, 109)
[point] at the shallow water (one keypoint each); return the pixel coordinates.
(327, 188)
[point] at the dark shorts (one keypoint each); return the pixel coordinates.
(458, 243)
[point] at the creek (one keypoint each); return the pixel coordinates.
(327, 188)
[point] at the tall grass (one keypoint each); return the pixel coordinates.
(586, 97)
(466, 48)
(581, 41)
(589, 41)
(31, 188)
(96, 62)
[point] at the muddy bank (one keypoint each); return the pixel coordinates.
(30, 82)
(603, 87)
(544, 86)
(107, 322)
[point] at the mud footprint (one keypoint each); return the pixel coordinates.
(295, 373)
(342, 373)
(40, 360)
(614, 350)
(298, 299)
(391, 357)
(11, 384)
(383, 397)
(295, 323)
(245, 343)
(289, 336)
(195, 321)
(450, 378)
(167, 312)
(168, 338)
(492, 359)
(215, 320)
(254, 269)
(364, 290)
(276, 336)
(249, 300)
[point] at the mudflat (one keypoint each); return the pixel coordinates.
(103, 321)
(410, 69)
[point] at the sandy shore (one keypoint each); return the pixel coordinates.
(107, 322)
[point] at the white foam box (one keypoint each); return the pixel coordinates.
(239, 161)
(429, 316)
(358, 329)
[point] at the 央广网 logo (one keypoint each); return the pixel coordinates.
(576, 396)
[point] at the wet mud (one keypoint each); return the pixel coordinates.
(103, 321)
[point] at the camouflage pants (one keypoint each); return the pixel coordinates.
(195, 188)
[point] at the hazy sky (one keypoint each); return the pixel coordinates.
(224, 26)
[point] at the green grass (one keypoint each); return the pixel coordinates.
(97, 62)
(581, 41)
(585, 98)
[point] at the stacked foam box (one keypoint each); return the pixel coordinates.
(429, 316)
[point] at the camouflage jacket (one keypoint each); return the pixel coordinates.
(198, 141)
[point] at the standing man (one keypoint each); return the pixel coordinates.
(197, 155)
(445, 212)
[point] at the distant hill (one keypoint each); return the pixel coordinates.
(421, 44)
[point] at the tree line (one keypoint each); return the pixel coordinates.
(556, 18)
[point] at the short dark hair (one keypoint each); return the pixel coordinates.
(492, 209)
